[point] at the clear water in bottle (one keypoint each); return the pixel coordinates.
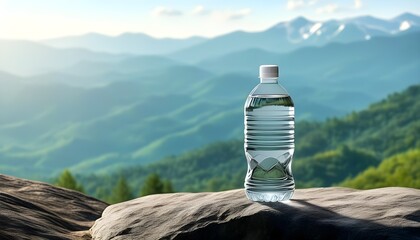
(269, 139)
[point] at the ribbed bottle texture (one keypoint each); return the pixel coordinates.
(269, 147)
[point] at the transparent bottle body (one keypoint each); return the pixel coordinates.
(269, 142)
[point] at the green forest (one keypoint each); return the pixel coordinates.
(376, 147)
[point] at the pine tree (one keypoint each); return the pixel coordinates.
(167, 187)
(154, 185)
(121, 191)
(101, 193)
(66, 180)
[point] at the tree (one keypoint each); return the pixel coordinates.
(154, 185)
(66, 180)
(121, 191)
(213, 185)
(167, 187)
(101, 193)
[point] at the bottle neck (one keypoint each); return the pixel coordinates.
(268, 80)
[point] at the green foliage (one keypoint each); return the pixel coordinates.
(102, 194)
(66, 180)
(121, 191)
(330, 167)
(167, 187)
(224, 182)
(401, 170)
(154, 185)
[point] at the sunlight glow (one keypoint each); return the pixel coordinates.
(44, 19)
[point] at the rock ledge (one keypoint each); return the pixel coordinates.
(320, 213)
(35, 210)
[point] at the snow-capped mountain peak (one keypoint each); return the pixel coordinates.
(404, 25)
(300, 29)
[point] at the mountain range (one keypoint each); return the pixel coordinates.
(282, 37)
(129, 43)
(27, 58)
(92, 111)
(61, 54)
(301, 32)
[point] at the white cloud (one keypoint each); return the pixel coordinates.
(241, 13)
(295, 4)
(329, 8)
(227, 15)
(298, 4)
(200, 10)
(165, 11)
(312, 2)
(357, 4)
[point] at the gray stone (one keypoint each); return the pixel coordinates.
(35, 210)
(319, 213)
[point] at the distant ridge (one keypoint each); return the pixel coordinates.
(132, 43)
(24, 58)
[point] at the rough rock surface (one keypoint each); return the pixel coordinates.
(35, 210)
(321, 213)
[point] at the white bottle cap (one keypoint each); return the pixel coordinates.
(269, 71)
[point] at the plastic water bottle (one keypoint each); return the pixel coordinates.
(269, 139)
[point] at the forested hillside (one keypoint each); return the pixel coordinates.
(388, 127)
(327, 153)
(399, 170)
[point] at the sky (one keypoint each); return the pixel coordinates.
(43, 19)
